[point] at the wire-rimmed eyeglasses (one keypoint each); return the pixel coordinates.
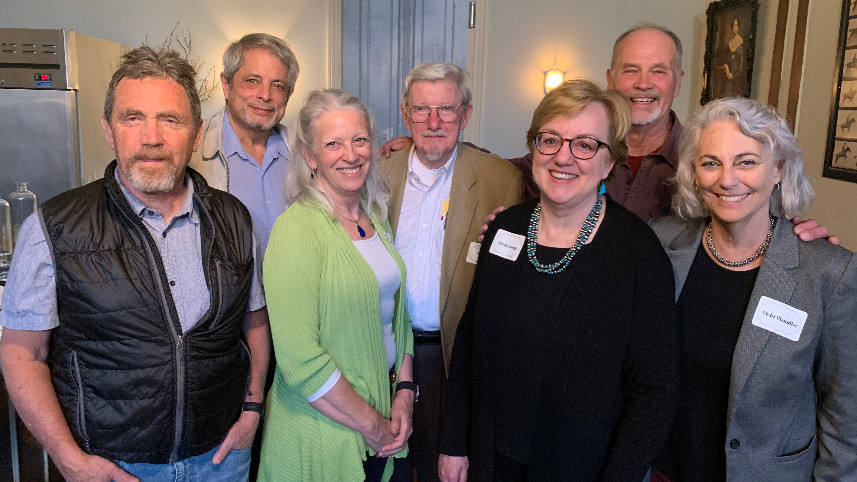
(582, 147)
(446, 113)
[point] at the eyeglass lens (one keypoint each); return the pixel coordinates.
(446, 113)
(581, 147)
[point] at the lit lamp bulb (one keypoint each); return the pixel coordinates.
(553, 78)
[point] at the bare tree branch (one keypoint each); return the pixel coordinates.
(182, 42)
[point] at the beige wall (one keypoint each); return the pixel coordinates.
(519, 41)
(211, 23)
(836, 204)
(836, 201)
(515, 42)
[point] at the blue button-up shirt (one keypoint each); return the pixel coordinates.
(420, 235)
(260, 188)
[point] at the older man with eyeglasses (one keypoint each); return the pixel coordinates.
(441, 191)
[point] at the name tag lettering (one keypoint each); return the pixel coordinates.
(780, 318)
(507, 245)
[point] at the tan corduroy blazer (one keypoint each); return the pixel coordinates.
(480, 183)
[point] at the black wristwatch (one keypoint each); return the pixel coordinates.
(254, 407)
(410, 386)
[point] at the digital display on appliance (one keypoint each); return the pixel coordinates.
(43, 80)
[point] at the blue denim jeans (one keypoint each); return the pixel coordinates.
(235, 467)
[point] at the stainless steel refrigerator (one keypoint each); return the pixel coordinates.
(52, 88)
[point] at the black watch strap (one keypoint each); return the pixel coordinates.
(409, 386)
(254, 407)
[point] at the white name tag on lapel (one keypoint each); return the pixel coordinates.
(507, 245)
(779, 318)
(473, 252)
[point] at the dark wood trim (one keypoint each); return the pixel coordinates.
(779, 50)
(797, 62)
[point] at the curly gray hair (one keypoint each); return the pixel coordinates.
(760, 122)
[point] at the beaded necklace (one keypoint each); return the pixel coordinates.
(582, 237)
(734, 264)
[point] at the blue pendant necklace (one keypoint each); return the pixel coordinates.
(360, 230)
(582, 237)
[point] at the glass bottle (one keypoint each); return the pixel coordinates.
(5, 240)
(23, 203)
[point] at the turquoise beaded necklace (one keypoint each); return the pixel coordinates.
(582, 237)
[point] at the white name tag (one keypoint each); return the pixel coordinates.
(779, 318)
(473, 252)
(507, 245)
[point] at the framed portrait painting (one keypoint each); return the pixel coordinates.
(840, 157)
(729, 49)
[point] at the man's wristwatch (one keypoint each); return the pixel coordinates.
(254, 407)
(410, 386)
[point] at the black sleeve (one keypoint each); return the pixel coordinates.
(650, 374)
(457, 403)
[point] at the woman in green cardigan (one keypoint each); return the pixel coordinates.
(334, 288)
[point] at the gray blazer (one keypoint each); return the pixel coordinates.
(792, 404)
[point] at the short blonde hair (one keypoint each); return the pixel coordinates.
(571, 97)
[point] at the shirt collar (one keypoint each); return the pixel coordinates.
(232, 146)
(138, 207)
(414, 165)
(669, 149)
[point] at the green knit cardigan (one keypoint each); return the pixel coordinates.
(323, 305)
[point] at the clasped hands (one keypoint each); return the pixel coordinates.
(390, 436)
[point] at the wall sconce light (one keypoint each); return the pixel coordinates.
(553, 78)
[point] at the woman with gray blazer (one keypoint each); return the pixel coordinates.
(768, 323)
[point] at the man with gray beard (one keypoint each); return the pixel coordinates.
(136, 338)
(646, 69)
(440, 192)
(245, 150)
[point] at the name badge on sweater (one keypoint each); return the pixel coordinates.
(507, 245)
(780, 318)
(473, 252)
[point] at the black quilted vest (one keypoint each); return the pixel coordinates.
(132, 386)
